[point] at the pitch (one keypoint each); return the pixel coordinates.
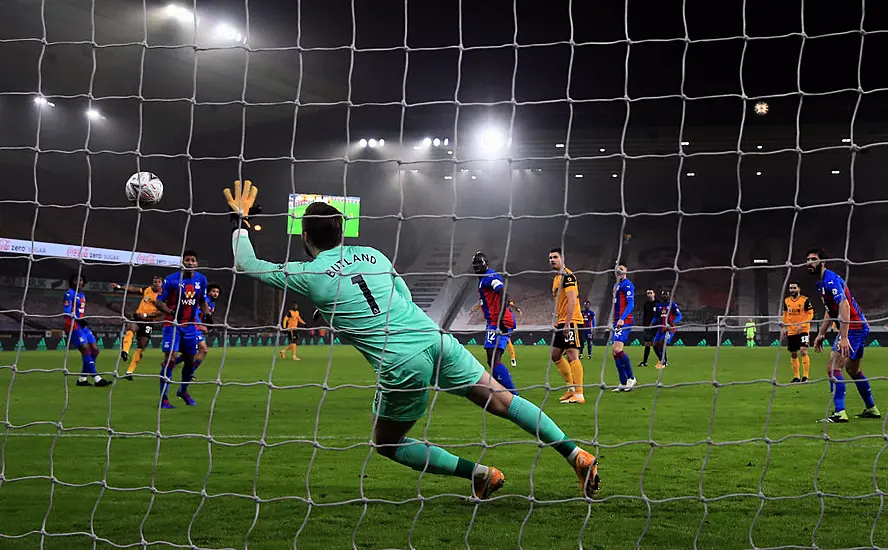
(234, 468)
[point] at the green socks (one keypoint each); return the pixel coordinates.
(431, 459)
(534, 421)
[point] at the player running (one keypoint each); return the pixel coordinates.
(666, 316)
(847, 351)
(500, 320)
(624, 301)
(80, 336)
(797, 315)
(181, 296)
(568, 338)
(358, 292)
(146, 316)
(291, 322)
(588, 326)
(649, 310)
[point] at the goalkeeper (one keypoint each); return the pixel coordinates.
(357, 291)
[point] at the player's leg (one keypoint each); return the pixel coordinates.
(648, 338)
(510, 349)
(806, 359)
(461, 374)
(188, 345)
(401, 400)
(836, 384)
(131, 330)
(143, 335)
(494, 346)
(588, 343)
(169, 345)
(574, 345)
(488, 394)
(621, 359)
(556, 352)
(852, 367)
(794, 361)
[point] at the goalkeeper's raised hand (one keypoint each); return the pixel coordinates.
(242, 203)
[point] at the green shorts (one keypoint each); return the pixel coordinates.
(404, 392)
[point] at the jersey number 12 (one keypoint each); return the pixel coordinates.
(365, 290)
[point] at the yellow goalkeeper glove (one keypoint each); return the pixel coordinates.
(242, 203)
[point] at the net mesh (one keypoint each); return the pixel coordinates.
(722, 452)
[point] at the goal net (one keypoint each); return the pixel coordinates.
(704, 146)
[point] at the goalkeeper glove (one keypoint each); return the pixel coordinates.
(242, 203)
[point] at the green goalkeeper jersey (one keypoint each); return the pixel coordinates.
(357, 291)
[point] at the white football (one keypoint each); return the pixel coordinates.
(144, 188)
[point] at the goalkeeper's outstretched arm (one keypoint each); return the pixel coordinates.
(283, 276)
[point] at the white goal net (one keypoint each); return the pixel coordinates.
(705, 146)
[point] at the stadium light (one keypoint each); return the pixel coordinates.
(602, 150)
(436, 142)
(578, 176)
(559, 146)
(492, 141)
(760, 261)
(427, 142)
(835, 172)
(758, 173)
(180, 13)
(446, 142)
(685, 143)
(362, 143)
(761, 108)
(257, 227)
(227, 32)
(449, 152)
(448, 177)
(414, 171)
(41, 101)
(846, 140)
(759, 147)
(372, 143)
(691, 174)
(474, 177)
(93, 114)
(381, 142)
(613, 175)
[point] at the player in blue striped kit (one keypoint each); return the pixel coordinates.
(847, 351)
(182, 295)
(80, 337)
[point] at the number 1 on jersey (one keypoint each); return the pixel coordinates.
(365, 290)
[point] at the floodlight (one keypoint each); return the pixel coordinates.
(559, 146)
(40, 100)
(427, 142)
(492, 141)
(372, 142)
(436, 142)
(578, 176)
(179, 13)
(381, 142)
(446, 142)
(93, 114)
(362, 143)
(227, 32)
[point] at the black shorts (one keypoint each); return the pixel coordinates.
(795, 342)
(144, 330)
(294, 336)
(574, 341)
(649, 334)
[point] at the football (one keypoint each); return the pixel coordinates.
(144, 188)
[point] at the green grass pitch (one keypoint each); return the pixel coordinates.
(735, 466)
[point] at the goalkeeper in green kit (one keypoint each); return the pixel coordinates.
(357, 292)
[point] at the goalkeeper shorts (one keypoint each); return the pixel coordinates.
(403, 394)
